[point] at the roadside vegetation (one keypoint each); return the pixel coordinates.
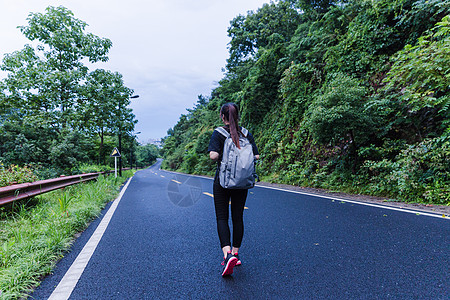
(34, 234)
(58, 117)
(348, 95)
(56, 114)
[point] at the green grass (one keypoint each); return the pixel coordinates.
(34, 235)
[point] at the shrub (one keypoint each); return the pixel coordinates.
(16, 174)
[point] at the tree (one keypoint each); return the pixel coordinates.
(58, 70)
(146, 154)
(123, 119)
(97, 107)
(49, 101)
(314, 9)
(260, 92)
(252, 32)
(69, 151)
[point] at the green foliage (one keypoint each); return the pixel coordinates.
(419, 173)
(347, 95)
(6, 253)
(256, 30)
(260, 90)
(421, 15)
(339, 112)
(16, 174)
(422, 72)
(146, 155)
(53, 111)
(64, 201)
(73, 148)
(185, 147)
(58, 71)
(315, 8)
(89, 168)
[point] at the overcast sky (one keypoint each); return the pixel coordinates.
(169, 51)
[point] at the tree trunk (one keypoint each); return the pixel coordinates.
(120, 151)
(353, 152)
(101, 158)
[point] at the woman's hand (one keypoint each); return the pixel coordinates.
(214, 155)
(257, 156)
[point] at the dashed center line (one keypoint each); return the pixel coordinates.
(176, 181)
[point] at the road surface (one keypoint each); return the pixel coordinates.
(161, 243)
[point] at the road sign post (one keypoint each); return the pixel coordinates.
(115, 153)
(115, 167)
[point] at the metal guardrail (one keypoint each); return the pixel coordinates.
(20, 191)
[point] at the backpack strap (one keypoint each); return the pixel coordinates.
(244, 131)
(222, 131)
(225, 133)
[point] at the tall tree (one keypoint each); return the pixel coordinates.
(49, 101)
(252, 32)
(123, 119)
(98, 104)
(64, 45)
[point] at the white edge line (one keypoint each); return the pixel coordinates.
(421, 213)
(358, 202)
(70, 279)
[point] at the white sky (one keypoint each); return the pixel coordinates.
(169, 51)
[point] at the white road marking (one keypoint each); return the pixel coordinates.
(421, 213)
(357, 202)
(70, 279)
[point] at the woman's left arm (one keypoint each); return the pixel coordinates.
(214, 155)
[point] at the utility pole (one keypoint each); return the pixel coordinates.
(120, 134)
(120, 150)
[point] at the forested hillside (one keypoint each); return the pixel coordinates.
(345, 95)
(56, 115)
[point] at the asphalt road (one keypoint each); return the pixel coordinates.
(161, 243)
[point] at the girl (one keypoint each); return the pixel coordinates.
(230, 115)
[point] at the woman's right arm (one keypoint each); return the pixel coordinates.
(255, 149)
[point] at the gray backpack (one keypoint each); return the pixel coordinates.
(237, 169)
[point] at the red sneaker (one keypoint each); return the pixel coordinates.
(229, 262)
(238, 260)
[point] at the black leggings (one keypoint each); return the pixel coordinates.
(221, 202)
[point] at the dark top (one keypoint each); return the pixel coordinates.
(218, 140)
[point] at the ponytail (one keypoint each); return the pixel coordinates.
(230, 112)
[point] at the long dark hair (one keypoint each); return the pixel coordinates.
(230, 112)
